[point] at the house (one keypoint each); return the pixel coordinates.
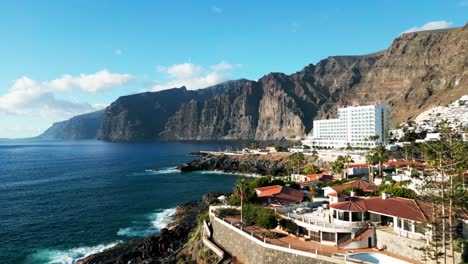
(335, 192)
(356, 169)
(278, 195)
(352, 224)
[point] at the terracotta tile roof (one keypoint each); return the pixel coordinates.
(268, 190)
(394, 206)
(355, 204)
(404, 162)
(315, 177)
(362, 165)
(279, 194)
(363, 185)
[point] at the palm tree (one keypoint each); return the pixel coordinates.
(347, 159)
(370, 162)
(380, 156)
(239, 192)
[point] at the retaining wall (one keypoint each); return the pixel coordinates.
(253, 251)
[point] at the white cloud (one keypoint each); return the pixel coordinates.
(430, 26)
(193, 76)
(90, 83)
(223, 66)
(216, 10)
(32, 98)
(118, 52)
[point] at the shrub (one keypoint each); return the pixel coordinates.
(201, 217)
(260, 182)
(288, 225)
(233, 200)
(271, 234)
(266, 218)
(277, 182)
(349, 189)
(223, 212)
(249, 213)
(294, 185)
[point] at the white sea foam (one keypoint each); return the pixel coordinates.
(157, 221)
(250, 175)
(163, 171)
(69, 256)
(155, 172)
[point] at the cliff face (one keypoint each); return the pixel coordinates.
(418, 71)
(79, 127)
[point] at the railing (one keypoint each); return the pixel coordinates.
(286, 247)
(317, 223)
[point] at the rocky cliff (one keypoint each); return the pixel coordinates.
(418, 71)
(79, 127)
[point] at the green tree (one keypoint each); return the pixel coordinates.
(240, 192)
(311, 169)
(371, 161)
(338, 164)
(288, 225)
(380, 155)
(266, 218)
(278, 182)
(448, 158)
(347, 159)
(295, 162)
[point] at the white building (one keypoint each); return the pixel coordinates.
(353, 127)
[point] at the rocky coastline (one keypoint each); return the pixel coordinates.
(272, 164)
(165, 247)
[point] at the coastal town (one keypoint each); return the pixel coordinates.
(354, 191)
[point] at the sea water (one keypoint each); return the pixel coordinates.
(63, 200)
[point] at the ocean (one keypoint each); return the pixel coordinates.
(62, 200)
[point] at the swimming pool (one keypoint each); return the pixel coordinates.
(377, 258)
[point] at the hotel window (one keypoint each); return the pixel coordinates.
(327, 236)
(407, 225)
(419, 228)
(341, 215)
(357, 216)
(315, 236)
(366, 216)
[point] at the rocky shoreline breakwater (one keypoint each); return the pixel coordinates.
(272, 164)
(165, 247)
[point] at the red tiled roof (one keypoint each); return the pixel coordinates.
(404, 162)
(363, 185)
(268, 190)
(362, 165)
(315, 177)
(394, 206)
(280, 194)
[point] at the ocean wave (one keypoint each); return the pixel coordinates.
(163, 171)
(69, 256)
(157, 221)
(155, 172)
(230, 173)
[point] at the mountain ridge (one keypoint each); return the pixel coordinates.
(417, 71)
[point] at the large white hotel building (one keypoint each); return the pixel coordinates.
(353, 127)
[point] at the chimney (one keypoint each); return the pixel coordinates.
(352, 193)
(384, 195)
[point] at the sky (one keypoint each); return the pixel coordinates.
(60, 58)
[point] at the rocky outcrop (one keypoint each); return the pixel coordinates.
(418, 71)
(79, 127)
(251, 164)
(161, 248)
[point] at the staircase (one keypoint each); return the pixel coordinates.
(365, 233)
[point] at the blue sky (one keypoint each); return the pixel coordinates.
(62, 58)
